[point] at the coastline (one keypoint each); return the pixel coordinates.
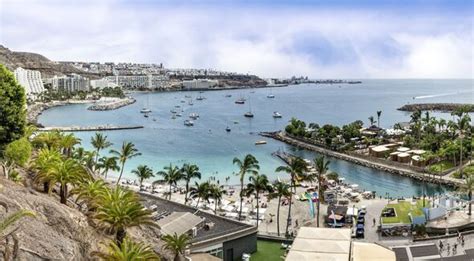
(35, 110)
(362, 161)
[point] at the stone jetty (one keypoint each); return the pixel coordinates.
(112, 104)
(443, 107)
(364, 162)
(90, 128)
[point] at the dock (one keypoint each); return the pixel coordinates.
(90, 128)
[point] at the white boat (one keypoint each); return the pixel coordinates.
(228, 129)
(191, 103)
(276, 114)
(271, 96)
(188, 123)
(248, 114)
(194, 116)
(145, 110)
(178, 114)
(260, 142)
(200, 98)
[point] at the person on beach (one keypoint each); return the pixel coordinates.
(375, 221)
(441, 246)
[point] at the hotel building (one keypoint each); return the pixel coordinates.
(30, 80)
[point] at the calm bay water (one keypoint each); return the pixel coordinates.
(212, 148)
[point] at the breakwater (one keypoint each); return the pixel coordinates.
(443, 107)
(362, 161)
(112, 104)
(91, 128)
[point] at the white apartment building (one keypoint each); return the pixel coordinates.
(102, 83)
(200, 84)
(30, 80)
(70, 83)
(139, 81)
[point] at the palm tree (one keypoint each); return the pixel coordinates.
(176, 244)
(66, 172)
(295, 168)
(171, 176)
(143, 172)
(88, 191)
(119, 209)
(99, 142)
(128, 250)
(200, 191)
(462, 125)
(216, 191)
(280, 190)
(371, 120)
(108, 163)
(467, 189)
(44, 161)
(50, 139)
(127, 152)
(379, 113)
(258, 184)
(190, 171)
(322, 166)
(67, 143)
(248, 166)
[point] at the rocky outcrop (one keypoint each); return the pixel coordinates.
(112, 105)
(443, 107)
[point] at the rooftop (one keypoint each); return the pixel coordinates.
(222, 226)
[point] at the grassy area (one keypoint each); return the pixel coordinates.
(469, 170)
(267, 250)
(441, 166)
(402, 209)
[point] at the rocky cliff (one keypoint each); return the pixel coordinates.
(34, 61)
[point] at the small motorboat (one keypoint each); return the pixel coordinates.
(260, 142)
(200, 98)
(228, 129)
(173, 111)
(179, 114)
(173, 117)
(240, 101)
(228, 95)
(236, 122)
(276, 114)
(146, 115)
(191, 103)
(248, 114)
(145, 110)
(188, 123)
(271, 96)
(177, 106)
(194, 116)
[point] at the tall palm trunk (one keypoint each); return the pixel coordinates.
(63, 194)
(46, 187)
(186, 195)
(106, 172)
(258, 208)
(278, 215)
(199, 199)
(121, 172)
(120, 236)
(460, 159)
(171, 185)
(288, 220)
(241, 197)
(319, 198)
(470, 202)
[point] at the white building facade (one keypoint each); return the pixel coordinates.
(70, 83)
(149, 81)
(30, 80)
(200, 84)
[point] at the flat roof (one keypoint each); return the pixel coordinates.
(313, 243)
(223, 227)
(380, 149)
(362, 251)
(179, 223)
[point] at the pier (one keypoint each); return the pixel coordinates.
(90, 128)
(361, 161)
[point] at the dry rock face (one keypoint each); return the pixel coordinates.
(57, 233)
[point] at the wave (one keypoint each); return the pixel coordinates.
(438, 95)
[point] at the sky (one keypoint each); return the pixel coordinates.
(273, 38)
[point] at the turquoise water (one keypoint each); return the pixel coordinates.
(212, 148)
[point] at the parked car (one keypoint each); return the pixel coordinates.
(360, 231)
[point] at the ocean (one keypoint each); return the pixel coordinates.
(208, 144)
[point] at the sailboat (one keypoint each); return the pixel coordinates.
(271, 95)
(146, 109)
(249, 114)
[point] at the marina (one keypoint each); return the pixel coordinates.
(314, 103)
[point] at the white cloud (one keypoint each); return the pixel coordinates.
(323, 43)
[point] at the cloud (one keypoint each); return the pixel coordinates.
(267, 40)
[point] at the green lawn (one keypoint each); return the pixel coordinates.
(441, 166)
(402, 209)
(267, 250)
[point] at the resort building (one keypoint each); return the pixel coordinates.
(200, 84)
(221, 237)
(149, 81)
(70, 83)
(102, 83)
(30, 80)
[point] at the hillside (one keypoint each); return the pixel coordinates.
(34, 61)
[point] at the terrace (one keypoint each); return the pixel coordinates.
(405, 212)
